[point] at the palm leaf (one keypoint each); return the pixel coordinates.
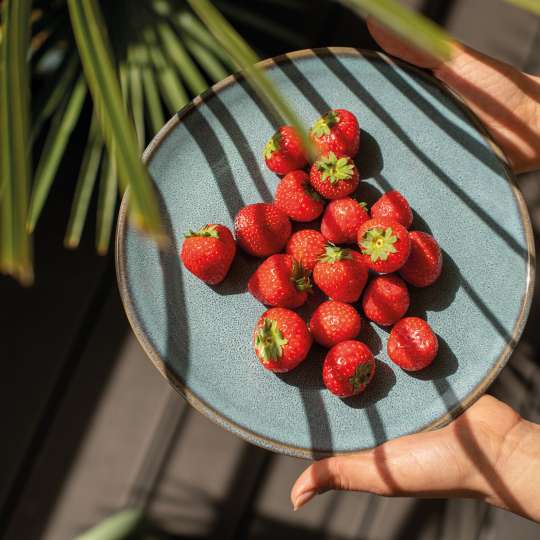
(245, 59)
(49, 99)
(530, 5)
(137, 99)
(151, 95)
(63, 124)
(192, 27)
(15, 246)
(108, 190)
(206, 59)
(173, 92)
(85, 185)
(179, 56)
(122, 525)
(412, 26)
(117, 129)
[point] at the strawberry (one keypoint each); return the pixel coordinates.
(283, 152)
(341, 274)
(209, 253)
(348, 368)
(333, 322)
(337, 131)
(262, 229)
(296, 197)
(281, 339)
(280, 281)
(334, 177)
(424, 264)
(384, 244)
(412, 345)
(307, 246)
(342, 219)
(393, 205)
(386, 299)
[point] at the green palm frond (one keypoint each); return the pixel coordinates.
(412, 26)
(530, 5)
(118, 132)
(245, 59)
(15, 247)
(161, 53)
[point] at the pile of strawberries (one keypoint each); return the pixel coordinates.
(293, 263)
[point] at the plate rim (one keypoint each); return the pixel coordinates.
(219, 418)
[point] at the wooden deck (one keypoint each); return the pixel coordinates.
(90, 427)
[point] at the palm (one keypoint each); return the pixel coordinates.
(506, 100)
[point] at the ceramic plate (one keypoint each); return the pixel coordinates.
(416, 137)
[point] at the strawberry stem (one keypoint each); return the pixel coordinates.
(209, 231)
(334, 254)
(273, 145)
(360, 377)
(378, 243)
(300, 277)
(269, 341)
(335, 169)
(325, 123)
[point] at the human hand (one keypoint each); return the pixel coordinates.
(505, 99)
(489, 453)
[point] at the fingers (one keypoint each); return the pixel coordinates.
(396, 46)
(426, 464)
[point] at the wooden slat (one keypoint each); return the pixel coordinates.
(40, 336)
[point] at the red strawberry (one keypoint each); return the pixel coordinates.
(307, 246)
(386, 299)
(341, 274)
(337, 131)
(209, 253)
(424, 264)
(262, 229)
(334, 177)
(393, 205)
(280, 281)
(412, 345)
(296, 197)
(342, 219)
(348, 368)
(384, 244)
(333, 322)
(281, 340)
(283, 152)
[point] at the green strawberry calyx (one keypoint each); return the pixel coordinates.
(334, 254)
(378, 243)
(300, 278)
(209, 231)
(335, 169)
(361, 203)
(273, 145)
(360, 377)
(269, 341)
(325, 123)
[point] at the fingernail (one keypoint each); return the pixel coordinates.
(302, 499)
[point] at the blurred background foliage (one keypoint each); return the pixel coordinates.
(115, 71)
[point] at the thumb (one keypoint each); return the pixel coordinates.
(429, 464)
(356, 472)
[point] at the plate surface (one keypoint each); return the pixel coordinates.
(417, 138)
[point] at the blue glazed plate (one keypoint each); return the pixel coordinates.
(417, 138)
